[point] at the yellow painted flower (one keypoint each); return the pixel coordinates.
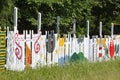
(98, 41)
(61, 42)
(104, 42)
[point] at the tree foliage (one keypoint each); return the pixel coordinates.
(6, 16)
(95, 11)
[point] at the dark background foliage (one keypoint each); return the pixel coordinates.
(107, 11)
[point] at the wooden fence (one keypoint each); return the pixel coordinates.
(34, 50)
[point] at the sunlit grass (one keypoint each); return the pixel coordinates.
(49, 1)
(109, 70)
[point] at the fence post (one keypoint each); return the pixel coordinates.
(88, 36)
(39, 21)
(87, 28)
(15, 18)
(74, 27)
(112, 29)
(58, 23)
(100, 46)
(101, 29)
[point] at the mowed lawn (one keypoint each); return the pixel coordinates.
(109, 70)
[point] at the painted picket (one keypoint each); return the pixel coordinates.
(10, 59)
(91, 50)
(36, 49)
(86, 47)
(19, 51)
(2, 49)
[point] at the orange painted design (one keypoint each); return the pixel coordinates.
(28, 56)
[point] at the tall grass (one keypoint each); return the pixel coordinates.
(109, 70)
(49, 1)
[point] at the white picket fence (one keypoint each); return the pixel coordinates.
(35, 50)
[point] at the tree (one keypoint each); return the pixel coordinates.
(106, 11)
(27, 15)
(6, 8)
(95, 11)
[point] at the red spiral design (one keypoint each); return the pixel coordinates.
(18, 51)
(37, 45)
(18, 54)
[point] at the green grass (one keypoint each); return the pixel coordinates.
(77, 71)
(49, 1)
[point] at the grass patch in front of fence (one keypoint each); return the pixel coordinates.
(76, 71)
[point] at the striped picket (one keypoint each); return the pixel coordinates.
(2, 49)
